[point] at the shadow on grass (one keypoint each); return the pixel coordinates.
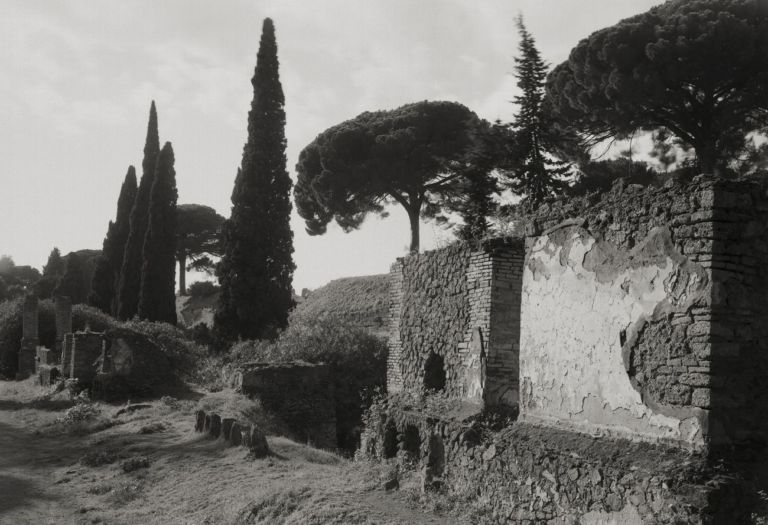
(17, 492)
(37, 404)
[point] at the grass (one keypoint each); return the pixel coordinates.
(357, 301)
(121, 474)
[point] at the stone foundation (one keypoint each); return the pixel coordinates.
(530, 474)
(300, 394)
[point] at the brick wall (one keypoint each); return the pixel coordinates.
(461, 304)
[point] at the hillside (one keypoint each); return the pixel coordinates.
(359, 301)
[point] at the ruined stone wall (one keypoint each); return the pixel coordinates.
(531, 474)
(461, 305)
(300, 394)
(643, 313)
(87, 349)
(29, 338)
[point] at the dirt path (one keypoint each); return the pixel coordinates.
(189, 479)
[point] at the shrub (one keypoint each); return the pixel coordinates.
(358, 361)
(202, 289)
(135, 463)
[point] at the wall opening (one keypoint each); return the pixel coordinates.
(436, 456)
(434, 373)
(390, 440)
(411, 443)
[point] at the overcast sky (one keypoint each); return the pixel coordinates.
(77, 78)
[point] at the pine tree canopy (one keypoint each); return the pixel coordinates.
(157, 300)
(414, 155)
(256, 270)
(130, 271)
(696, 68)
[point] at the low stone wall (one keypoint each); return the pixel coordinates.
(300, 394)
(530, 474)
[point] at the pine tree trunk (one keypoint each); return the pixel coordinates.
(413, 216)
(706, 156)
(182, 258)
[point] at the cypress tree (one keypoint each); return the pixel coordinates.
(157, 300)
(536, 173)
(106, 275)
(256, 271)
(130, 271)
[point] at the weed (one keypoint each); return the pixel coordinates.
(135, 463)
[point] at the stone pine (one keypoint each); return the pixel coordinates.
(157, 299)
(697, 70)
(256, 270)
(106, 276)
(407, 156)
(130, 272)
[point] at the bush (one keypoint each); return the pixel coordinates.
(202, 289)
(358, 361)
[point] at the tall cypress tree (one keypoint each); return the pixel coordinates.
(536, 173)
(130, 272)
(157, 300)
(106, 275)
(256, 271)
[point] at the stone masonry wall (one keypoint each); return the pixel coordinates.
(462, 305)
(87, 349)
(531, 474)
(300, 394)
(29, 339)
(651, 305)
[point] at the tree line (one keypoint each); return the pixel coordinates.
(693, 74)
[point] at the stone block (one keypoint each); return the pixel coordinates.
(199, 421)
(226, 427)
(214, 430)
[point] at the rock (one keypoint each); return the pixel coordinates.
(199, 421)
(246, 437)
(207, 423)
(259, 447)
(490, 453)
(215, 429)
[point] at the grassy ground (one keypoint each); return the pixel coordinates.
(149, 466)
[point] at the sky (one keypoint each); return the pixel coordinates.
(77, 78)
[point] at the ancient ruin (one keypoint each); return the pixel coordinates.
(301, 393)
(636, 317)
(113, 364)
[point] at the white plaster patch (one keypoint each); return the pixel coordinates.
(571, 363)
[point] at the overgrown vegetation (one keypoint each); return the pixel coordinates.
(358, 361)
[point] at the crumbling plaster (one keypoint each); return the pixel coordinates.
(584, 303)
